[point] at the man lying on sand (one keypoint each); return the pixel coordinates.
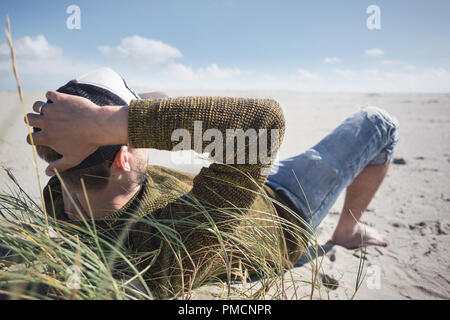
(97, 129)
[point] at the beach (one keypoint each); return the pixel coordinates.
(412, 206)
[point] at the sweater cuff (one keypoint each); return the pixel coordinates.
(140, 115)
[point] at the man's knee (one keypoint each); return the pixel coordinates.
(380, 116)
(388, 127)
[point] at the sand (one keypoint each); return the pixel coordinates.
(412, 206)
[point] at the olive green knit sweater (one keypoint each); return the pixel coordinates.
(196, 227)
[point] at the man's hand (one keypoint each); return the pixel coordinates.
(75, 127)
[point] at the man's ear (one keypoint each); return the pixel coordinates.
(122, 159)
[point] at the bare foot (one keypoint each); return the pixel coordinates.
(361, 235)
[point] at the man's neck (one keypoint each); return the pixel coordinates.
(99, 204)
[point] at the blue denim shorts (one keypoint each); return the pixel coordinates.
(313, 180)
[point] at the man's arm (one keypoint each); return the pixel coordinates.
(150, 124)
(75, 127)
(221, 193)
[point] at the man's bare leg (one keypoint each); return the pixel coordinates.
(349, 233)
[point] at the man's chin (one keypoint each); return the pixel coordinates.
(47, 154)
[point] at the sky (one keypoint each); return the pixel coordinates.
(299, 45)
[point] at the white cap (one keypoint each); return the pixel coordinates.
(109, 80)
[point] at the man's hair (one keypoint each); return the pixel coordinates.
(95, 169)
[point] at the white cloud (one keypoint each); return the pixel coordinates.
(307, 75)
(375, 52)
(425, 80)
(346, 74)
(141, 52)
(180, 72)
(332, 60)
(372, 75)
(391, 62)
(36, 56)
(410, 67)
(27, 47)
(439, 73)
(43, 65)
(399, 64)
(213, 72)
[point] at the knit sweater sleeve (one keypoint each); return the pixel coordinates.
(230, 183)
(159, 124)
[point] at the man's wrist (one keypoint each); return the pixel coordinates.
(113, 124)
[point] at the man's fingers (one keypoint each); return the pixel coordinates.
(37, 106)
(35, 120)
(38, 138)
(59, 165)
(53, 96)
